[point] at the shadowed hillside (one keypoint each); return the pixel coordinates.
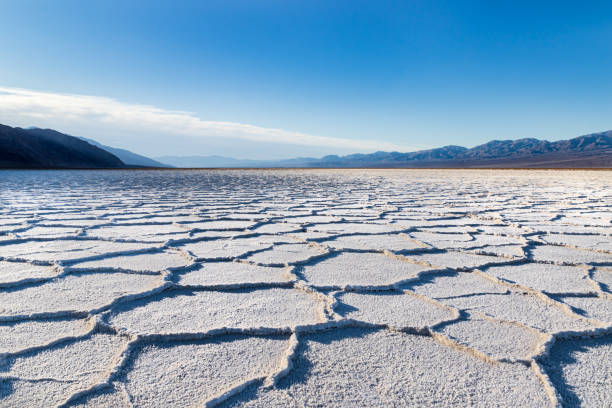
(46, 148)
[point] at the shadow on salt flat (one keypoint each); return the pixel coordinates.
(581, 371)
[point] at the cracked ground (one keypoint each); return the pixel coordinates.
(305, 288)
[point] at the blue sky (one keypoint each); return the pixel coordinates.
(276, 79)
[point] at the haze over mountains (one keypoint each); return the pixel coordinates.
(127, 157)
(47, 148)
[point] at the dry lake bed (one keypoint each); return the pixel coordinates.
(306, 288)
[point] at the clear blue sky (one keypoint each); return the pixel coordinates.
(407, 74)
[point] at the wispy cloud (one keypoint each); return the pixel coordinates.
(37, 106)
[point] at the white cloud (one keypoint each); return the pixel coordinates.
(82, 110)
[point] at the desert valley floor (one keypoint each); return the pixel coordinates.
(305, 288)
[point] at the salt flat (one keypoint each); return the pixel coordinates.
(306, 288)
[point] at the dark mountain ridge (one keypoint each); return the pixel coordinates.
(47, 148)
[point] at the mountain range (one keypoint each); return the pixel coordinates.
(593, 150)
(48, 148)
